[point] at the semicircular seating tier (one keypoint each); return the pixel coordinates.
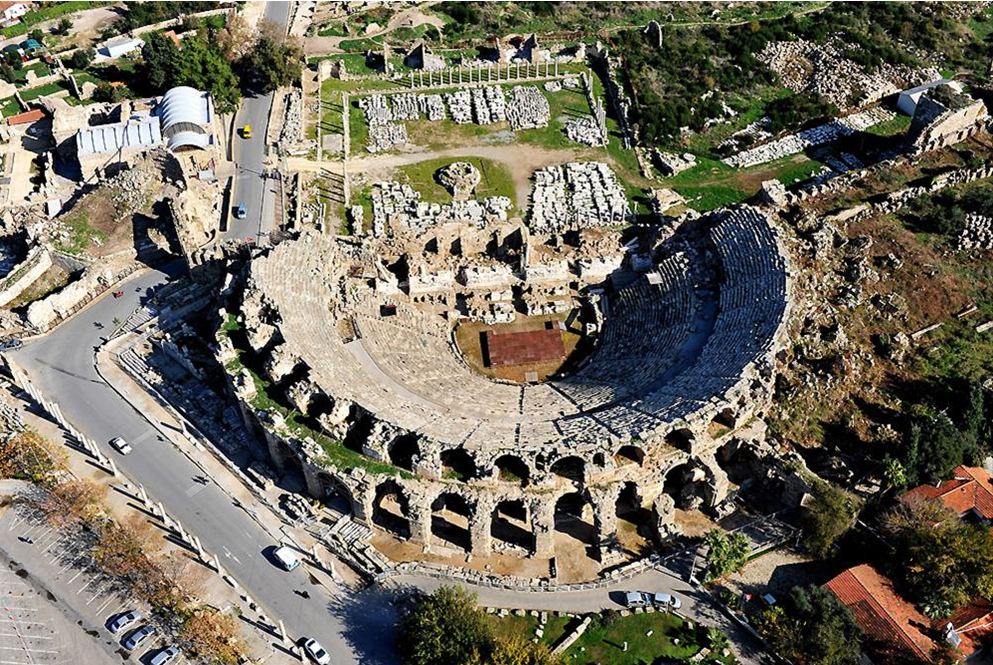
(659, 361)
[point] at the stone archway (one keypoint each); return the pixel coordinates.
(575, 517)
(722, 423)
(404, 451)
(629, 454)
(391, 509)
(570, 467)
(334, 493)
(511, 524)
(687, 485)
(637, 524)
(450, 518)
(681, 439)
(458, 464)
(512, 469)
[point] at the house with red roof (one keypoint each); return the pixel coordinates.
(969, 493)
(895, 632)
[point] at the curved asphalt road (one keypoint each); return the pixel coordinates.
(61, 365)
(250, 188)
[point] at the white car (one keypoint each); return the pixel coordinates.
(165, 656)
(316, 652)
(633, 599)
(120, 445)
(286, 557)
(668, 601)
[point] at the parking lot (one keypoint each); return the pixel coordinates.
(70, 592)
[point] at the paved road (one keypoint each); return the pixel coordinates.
(354, 629)
(250, 188)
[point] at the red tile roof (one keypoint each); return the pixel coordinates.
(26, 118)
(973, 623)
(971, 488)
(890, 623)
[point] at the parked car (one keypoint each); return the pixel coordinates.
(120, 445)
(286, 557)
(316, 652)
(633, 599)
(125, 620)
(246, 132)
(240, 211)
(667, 601)
(137, 637)
(165, 656)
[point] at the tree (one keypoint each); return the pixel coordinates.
(933, 446)
(827, 517)
(727, 553)
(7, 73)
(814, 629)
(199, 65)
(108, 92)
(520, 651)
(213, 636)
(64, 26)
(161, 59)
(82, 58)
(445, 628)
(273, 62)
(73, 503)
(29, 456)
(235, 39)
(943, 562)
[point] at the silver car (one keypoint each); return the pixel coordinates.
(137, 637)
(165, 656)
(125, 620)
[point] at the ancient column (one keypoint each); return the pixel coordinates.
(543, 526)
(480, 524)
(605, 516)
(420, 519)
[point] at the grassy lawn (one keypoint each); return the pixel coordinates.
(495, 179)
(9, 107)
(42, 90)
(81, 234)
(53, 10)
(898, 125)
(603, 641)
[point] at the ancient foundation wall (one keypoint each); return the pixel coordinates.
(24, 274)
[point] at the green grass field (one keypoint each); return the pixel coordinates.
(495, 179)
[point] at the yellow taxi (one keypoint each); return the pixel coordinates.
(246, 132)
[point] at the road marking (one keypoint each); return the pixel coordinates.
(32, 650)
(195, 489)
(91, 581)
(144, 436)
(33, 637)
(228, 554)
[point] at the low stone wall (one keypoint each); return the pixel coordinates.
(24, 274)
(46, 313)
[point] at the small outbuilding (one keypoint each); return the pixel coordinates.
(122, 46)
(908, 99)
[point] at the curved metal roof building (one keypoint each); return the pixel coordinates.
(186, 114)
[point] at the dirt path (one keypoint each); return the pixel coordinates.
(521, 160)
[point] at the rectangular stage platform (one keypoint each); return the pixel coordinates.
(521, 348)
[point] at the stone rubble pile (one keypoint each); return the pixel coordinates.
(528, 108)
(671, 163)
(803, 66)
(586, 130)
(405, 107)
(978, 232)
(489, 105)
(576, 195)
(460, 106)
(798, 142)
(384, 137)
(433, 107)
(393, 202)
(292, 129)
(460, 179)
(376, 109)
(552, 86)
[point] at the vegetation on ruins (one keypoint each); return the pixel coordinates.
(944, 213)
(941, 561)
(139, 14)
(727, 553)
(826, 517)
(448, 628)
(812, 627)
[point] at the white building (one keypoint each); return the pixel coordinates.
(907, 101)
(187, 117)
(12, 11)
(121, 46)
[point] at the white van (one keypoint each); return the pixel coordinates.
(286, 557)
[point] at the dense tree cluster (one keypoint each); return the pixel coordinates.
(139, 14)
(829, 514)
(943, 562)
(448, 628)
(812, 628)
(798, 110)
(951, 428)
